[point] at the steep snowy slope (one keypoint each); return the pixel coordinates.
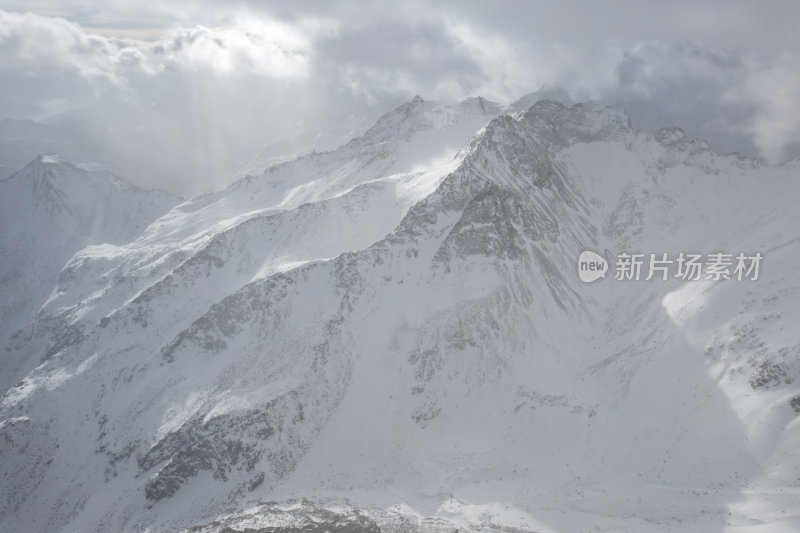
(49, 210)
(224, 239)
(410, 138)
(270, 223)
(416, 339)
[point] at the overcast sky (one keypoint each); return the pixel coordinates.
(216, 80)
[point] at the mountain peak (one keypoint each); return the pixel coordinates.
(481, 104)
(418, 114)
(50, 173)
(43, 165)
(546, 92)
(577, 123)
(50, 159)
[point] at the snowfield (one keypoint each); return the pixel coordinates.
(392, 336)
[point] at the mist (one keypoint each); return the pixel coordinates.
(191, 96)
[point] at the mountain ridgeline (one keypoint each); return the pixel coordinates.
(392, 336)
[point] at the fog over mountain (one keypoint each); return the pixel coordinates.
(354, 267)
(113, 84)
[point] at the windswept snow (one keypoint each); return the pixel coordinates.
(393, 336)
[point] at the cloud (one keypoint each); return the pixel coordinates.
(264, 49)
(739, 101)
(183, 111)
(772, 87)
(216, 84)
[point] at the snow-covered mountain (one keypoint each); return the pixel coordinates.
(48, 211)
(393, 335)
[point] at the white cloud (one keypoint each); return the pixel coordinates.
(28, 40)
(217, 83)
(258, 47)
(261, 48)
(184, 110)
(773, 88)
